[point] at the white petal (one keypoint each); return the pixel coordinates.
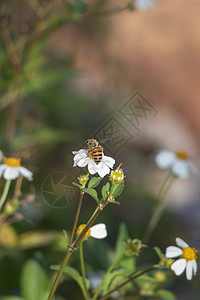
(164, 159)
(2, 168)
(11, 173)
(179, 266)
(173, 251)
(194, 265)
(92, 167)
(26, 173)
(81, 151)
(83, 162)
(99, 231)
(193, 168)
(181, 243)
(189, 269)
(180, 168)
(109, 161)
(103, 169)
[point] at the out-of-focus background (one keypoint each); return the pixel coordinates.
(75, 70)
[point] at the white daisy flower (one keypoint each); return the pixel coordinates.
(81, 159)
(145, 4)
(179, 163)
(97, 231)
(187, 260)
(11, 169)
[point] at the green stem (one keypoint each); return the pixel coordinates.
(76, 217)
(159, 208)
(74, 246)
(5, 193)
(106, 276)
(126, 282)
(59, 274)
(83, 271)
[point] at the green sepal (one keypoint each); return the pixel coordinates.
(66, 236)
(78, 185)
(94, 182)
(92, 193)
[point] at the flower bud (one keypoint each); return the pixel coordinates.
(132, 247)
(11, 206)
(83, 179)
(117, 175)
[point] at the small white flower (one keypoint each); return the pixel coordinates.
(81, 159)
(11, 169)
(179, 163)
(145, 4)
(97, 231)
(187, 260)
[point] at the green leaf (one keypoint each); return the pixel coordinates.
(73, 273)
(105, 190)
(116, 278)
(118, 188)
(92, 193)
(94, 182)
(123, 236)
(158, 251)
(165, 294)
(34, 281)
(11, 298)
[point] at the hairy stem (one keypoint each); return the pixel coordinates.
(76, 217)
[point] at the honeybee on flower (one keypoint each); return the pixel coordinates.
(94, 158)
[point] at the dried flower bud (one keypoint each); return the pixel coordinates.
(132, 247)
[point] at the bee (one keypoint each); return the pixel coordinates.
(95, 151)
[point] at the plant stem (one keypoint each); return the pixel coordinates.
(76, 217)
(106, 276)
(18, 185)
(126, 282)
(159, 208)
(58, 276)
(5, 193)
(83, 271)
(76, 243)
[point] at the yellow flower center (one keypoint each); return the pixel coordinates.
(189, 253)
(182, 155)
(12, 162)
(117, 175)
(80, 229)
